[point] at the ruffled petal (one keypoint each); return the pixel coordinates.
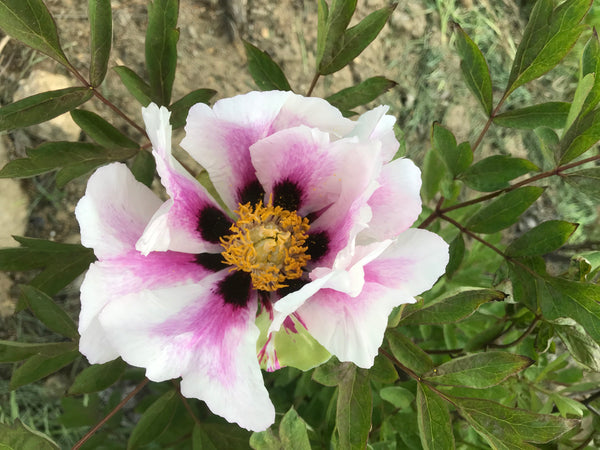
(396, 204)
(220, 139)
(114, 211)
(176, 225)
(299, 168)
(192, 332)
(376, 125)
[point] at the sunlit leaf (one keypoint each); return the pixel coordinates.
(98, 377)
(504, 211)
(550, 114)
(31, 23)
(265, 72)
(154, 420)
(49, 313)
(42, 107)
(135, 85)
(162, 35)
(100, 16)
(584, 87)
(435, 426)
(292, 431)
(580, 137)
(474, 69)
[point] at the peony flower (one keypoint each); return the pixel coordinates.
(301, 241)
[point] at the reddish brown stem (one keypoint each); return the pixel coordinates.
(313, 83)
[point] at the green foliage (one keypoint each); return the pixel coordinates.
(435, 426)
(292, 435)
(267, 74)
(19, 436)
(361, 94)
(100, 15)
(154, 421)
(179, 109)
(550, 114)
(495, 172)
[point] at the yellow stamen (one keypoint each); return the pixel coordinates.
(267, 242)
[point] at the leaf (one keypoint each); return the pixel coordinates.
(361, 94)
(332, 24)
(154, 420)
(329, 373)
(494, 172)
(292, 431)
(398, 396)
(179, 109)
(550, 114)
(580, 137)
(474, 69)
(42, 107)
(435, 426)
(483, 338)
(449, 309)
(456, 157)
(354, 40)
(433, 172)
(408, 354)
(586, 181)
(144, 167)
(383, 370)
(97, 377)
(544, 238)
(13, 351)
(61, 263)
(457, 253)
(135, 85)
(580, 346)
(590, 63)
(354, 407)
(100, 16)
(161, 48)
(101, 131)
(263, 440)
(513, 427)
(19, 436)
(582, 91)
(72, 158)
(548, 37)
(504, 211)
(31, 23)
(217, 436)
(479, 371)
(49, 313)
(265, 72)
(322, 24)
(40, 366)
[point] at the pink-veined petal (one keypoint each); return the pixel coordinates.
(396, 204)
(175, 225)
(189, 331)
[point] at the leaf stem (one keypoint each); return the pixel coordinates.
(313, 83)
(488, 124)
(397, 363)
(520, 339)
(122, 403)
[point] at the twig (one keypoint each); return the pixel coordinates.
(313, 83)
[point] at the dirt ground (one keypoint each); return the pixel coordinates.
(415, 50)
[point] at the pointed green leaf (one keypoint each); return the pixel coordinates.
(354, 408)
(135, 85)
(449, 309)
(550, 114)
(265, 72)
(354, 40)
(590, 63)
(61, 263)
(162, 35)
(42, 107)
(582, 91)
(217, 436)
(101, 131)
(292, 432)
(263, 440)
(504, 211)
(544, 238)
(456, 157)
(383, 370)
(407, 353)
(548, 37)
(330, 373)
(31, 23)
(494, 172)
(457, 253)
(154, 420)
(100, 16)
(98, 377)
(73, 158)
(586, 181)
(435, 426)
(479, 371)
(49, 313)
(144, 167)
(581, 347)
(322, 21)
(40, 366)
(482, 339)
(512, 426)
(580, 137)
(398, 396)
(361, 94)
(13, 351)
(19, 436)
(333, 23)
(433, 172)
(179, 109)
(474, 69)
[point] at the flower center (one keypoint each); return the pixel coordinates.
(267, 242)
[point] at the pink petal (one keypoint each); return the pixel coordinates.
(175, 225)
(375, 125)
(189, 331)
